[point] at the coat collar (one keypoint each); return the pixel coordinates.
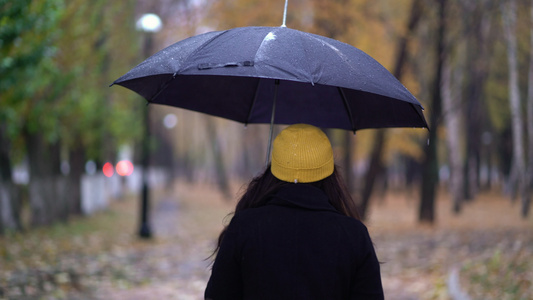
(302, 195)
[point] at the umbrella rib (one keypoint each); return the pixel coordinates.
(253, 103)
(162, 88)
(419, 112)
(348, 109)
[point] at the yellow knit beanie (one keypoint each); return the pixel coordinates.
(302, 153)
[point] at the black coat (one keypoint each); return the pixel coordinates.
(295, 247)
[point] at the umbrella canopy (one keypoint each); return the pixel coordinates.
(279, 75)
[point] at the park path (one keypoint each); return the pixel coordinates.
(98, 258)
(417, 261)
(176, 265)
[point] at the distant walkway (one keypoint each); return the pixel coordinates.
(175, 265)
(417, 260)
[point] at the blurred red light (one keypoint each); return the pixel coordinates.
(124, 168)
(108, 169)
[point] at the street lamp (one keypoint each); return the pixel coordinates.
(149, 24)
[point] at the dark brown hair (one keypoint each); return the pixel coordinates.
(266, 185)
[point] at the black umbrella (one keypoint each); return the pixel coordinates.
(276, 75)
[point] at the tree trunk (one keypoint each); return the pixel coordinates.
(9, 200)
(477, 33)
(509, 23)
(429, 180)
(77, 165)
(505, 153)
(40, 214)
(47, 197)
(530, 119)
(430, 165)
(374, 169)
(220, 167)
(452, 106)
(376, 163)
(473, 132)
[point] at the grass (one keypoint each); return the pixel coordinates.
(47, 260)
(420, 257)
(506, 275)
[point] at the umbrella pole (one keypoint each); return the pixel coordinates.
(276, 85)
(285, 14)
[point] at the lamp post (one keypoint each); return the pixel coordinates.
(149, 24)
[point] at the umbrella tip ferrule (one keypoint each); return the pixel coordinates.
(285, 14)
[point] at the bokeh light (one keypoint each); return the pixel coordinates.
(124, 168)
(108, 169)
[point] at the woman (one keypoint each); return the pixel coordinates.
(295, 233)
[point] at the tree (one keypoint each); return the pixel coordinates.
(477, 31)
(225, 15)
(53, 107)
(430, 164)
(451, 97)
(89, 120)
(530, 115)
(376, 158)
(220, 166)
(26, 72)
(96, 120)
(9, 200)
(509, 23)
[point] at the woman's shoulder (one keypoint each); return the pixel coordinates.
(350, 224)
(250, 214)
